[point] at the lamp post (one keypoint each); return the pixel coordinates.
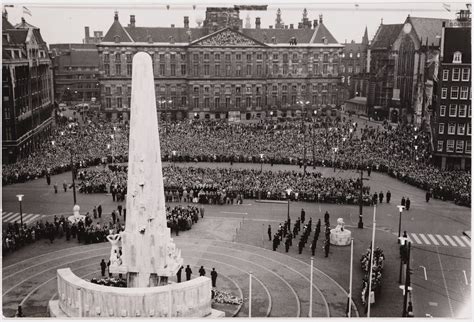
(310, 314)
(174, 157)
(349, 300)
(400, 209)
(261, 162)
(288, 192)
(303, 130)
(20, 198)
(361, 201)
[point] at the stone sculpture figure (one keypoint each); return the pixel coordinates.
(115, 250)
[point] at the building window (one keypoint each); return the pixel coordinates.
(349, 69)
(196, 70)
(468, 146)
(119, 90)
(453, 110)
(108, 102)
(227, 70)
(442, 110)
(259, 101)
(119, 102)
(450, 146)
(249, 57)
(445, 74)
(454, 92)
(184, 100)
(183, 70)
(451, 128)
(456, 74)
(196, 89)
(248, 90)
(259, 56)
(249, 69)
(162, 57)
(459, 146)
(285, 69)
(440, 146)
(464, 92)
(465, 74)
(316, 69)
(444, 93)
(248, 102)
(129, 69)
(461, 129)
(106, 57)
(238, 70)
(468, 132)
(217, 57)
(227, 56)
(206, 70)
(162, 69)
(107, 91)
(457, 57)
(217, 102)
(195, 57)
(237, 102)
(206, 102)
(259, 70)
(275, 56)
(325, 68)
(238, 57)
(462, 110)
(107, 69)
(173, 70)
(196, 102)
(469, 111)
(275, 69)
(441, 128)
(206, 56)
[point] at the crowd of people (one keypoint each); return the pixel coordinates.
(377, 268)
(403, 151)
(181, 218)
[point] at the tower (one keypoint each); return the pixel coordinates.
(278, 22)
(247, 22)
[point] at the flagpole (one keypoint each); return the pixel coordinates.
(371, 263)
(350, 279)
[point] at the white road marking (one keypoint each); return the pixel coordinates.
(450, 240)
(27, 216)
(444, 281)
(441, 239)
(14, 218)
(433, 239)
(456, 238)
(33, 218)
(427, 242)
(415, 237)
(466, 240)
(10, 214)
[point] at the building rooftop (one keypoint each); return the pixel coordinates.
(386, 36)
(428, 29)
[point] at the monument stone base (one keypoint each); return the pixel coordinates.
(340, 238)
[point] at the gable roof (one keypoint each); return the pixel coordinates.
(386, 36)
(116, 30)
(240, 39)
(17, 36)
(162, 34)
(428, 29)
(322, 32)
(24, 25)
(354, 47)
(6, 24)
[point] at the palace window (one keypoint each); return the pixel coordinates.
(454, 92)
(173, 70)
(217, 70)
(450, 146)
(468, 146)
(456, 74)
(459, 146)
(444, 93)
(183, 70)
(465, 74)
(445, 74)
(461, 129)
(162, 69)
(462, 110)
(440, 146)
(451, 128)
(118, 69)
(457, 57)
(453, 110)
(464, 92)
(442, 110)
(441, 128)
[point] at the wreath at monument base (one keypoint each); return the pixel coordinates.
(223, 297)
(110, 281)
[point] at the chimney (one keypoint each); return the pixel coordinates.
(320, 18)
(300, 25)
(116, 15)
(172, 25)
(291, 26)
(132, 20)
(23, 20)
(274, 41)
(270, 27)
(257, 23)
(86, 31)
(315, 23)
(286, 26)
(186, 22)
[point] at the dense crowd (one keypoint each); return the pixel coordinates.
(181, 218)
(228, 186)
(402, 152)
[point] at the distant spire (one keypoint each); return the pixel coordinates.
(365, 39)
(278, 21)
(247, 22)
(305, 13)
(116, 18)
(381, 21)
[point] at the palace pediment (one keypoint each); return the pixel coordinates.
(227, 38)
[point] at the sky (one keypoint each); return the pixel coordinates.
(64, 21)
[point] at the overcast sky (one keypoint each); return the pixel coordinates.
(64, 21)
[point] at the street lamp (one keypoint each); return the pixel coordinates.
(174, 157)
(288, 192)
(261, 162)
(20, 198)
(400, 209)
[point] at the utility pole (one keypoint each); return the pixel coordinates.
(361, 224)
(407, 281)
(304, 139)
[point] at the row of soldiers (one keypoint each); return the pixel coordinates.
(285, 232)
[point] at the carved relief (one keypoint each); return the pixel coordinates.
(228, 38)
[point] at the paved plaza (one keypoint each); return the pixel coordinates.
(233, 239)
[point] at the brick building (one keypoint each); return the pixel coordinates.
(381, 73)
(451, 122)
(27, 90)
(223, 70)
(76, 72)
(97, 38)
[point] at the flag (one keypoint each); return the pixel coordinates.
(8, 6)
(447, 7)
(26, 11)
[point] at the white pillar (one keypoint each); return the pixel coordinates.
(250, 294)
(350, 278)
(371, 263)
(310, 314)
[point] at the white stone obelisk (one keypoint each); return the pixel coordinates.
(149, 255)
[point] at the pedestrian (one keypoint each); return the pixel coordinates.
(103, 266)
(65, 186)
(213, 277)
(287, 244)
(48, 179)
(113, 217)
(108, 268)
(124, 214)
(201, 210)
(313, 246)
(389, 195)
(113, 193)
(326, 218)
(428, 196)
(326, 248)
(178, 274)
(300, 246)
(188, 272)
(94, 212)
(303, 215)
(55, 186)
(202, 271)
(407, 203)
(403, 201)
(380, 197)
(269, 230)
(275, 242)
(119, 208)
(99, 211)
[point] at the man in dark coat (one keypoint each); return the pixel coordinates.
(380, 196)
(326, 248)
(103, 266)
(202, 271)
(287, 244)
(213, 277)
(99, 210)
(178, 274)
(303, 215)
(389, 195)
(407, 203)
(326, 217)
(313, 246)
(428, 196)
(188, 273)
(300, 246)
(403, 201)
(269, 232)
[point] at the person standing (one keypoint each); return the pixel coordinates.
(188, 272)
(65, 186)
(313, 245)
(300, 246)
(99, 211)
(403, 201)
(213, 277)
(103, 266)
(407, 203)
(119, 208)
(380, 197)
(326, 248)
(303, 215)
(178, 274)
(94, 212)
(48, 179)
(269, 231)
(202, 271)
(389, 195)
(114, 217)
(326, 218)
(428, 196)
(55, 186)
(287, 244)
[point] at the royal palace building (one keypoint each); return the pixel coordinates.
(451, 122)
(221, 69)
(27, 90)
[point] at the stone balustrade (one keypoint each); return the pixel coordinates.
(81, 298)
